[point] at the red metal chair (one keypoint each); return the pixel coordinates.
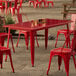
(4, 50)
(2, 38)
(64, 31)
(64, 53)
(35, 3)
(31, 1)
(26, 34)
(4, 35)
(2, 7)
(48, 2)
(45, 2)
(16, 7)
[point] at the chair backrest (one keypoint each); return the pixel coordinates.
(19, 17)
(73, 18)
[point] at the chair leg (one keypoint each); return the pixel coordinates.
(1, 60)
(13, 11)
(49, 62)
(36, 39)
(1, 65)
(39, 5)
(66, 59)
(44, 4)
(59, 61)
(57, 38)
(66, 39)
(6, 58)
(35, 5)
(29, 4)
(2, 41)
(47, 4)
(12, 44)
(52, 4)
(21, 10)
(2, 10)
(11, 61)
(74, 61)
(18, 10)
(26, 39)
(18, 40)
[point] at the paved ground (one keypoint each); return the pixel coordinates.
(22, 58)
(22, 61)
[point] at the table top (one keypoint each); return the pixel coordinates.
(37, 24)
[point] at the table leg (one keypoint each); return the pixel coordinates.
(32, 47)
(46, 38)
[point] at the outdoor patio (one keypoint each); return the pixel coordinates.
(22, 57)
(22, 61)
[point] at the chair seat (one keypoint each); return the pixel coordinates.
(64, 30)
(3, 33)
(3, 48)
(7, 51)
(61, 50)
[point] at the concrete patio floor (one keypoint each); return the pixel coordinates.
(22, 61)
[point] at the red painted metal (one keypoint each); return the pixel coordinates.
(2, 38)
(64, 53)
(31, 1)
(2, 7)
(36, 2)
(29, 26)
(16, 7)
(50, 2)
(64, 31)
(6, 4)
(4, 50)
(26, 34)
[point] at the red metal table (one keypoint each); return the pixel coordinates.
(6, 3)
(30, 27)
